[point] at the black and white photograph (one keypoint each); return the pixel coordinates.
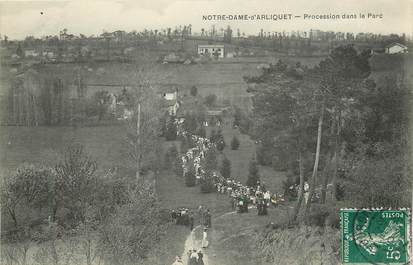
(206, 132)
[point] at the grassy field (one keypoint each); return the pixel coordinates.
(240, 159)
(46, 145)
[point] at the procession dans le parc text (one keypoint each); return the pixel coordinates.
(289, 16)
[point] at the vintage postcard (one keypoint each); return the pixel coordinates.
(206, 132)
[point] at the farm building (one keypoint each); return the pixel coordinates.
(215, 113)
(211, 49)
(168, 91)
(173, 58)
(396, 48)
(31, 53)
(170, 94)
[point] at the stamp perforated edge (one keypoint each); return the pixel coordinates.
(408, 221)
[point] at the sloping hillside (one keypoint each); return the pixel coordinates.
(239, 239)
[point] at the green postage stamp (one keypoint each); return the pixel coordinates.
(374, 236)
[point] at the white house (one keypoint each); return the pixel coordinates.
(211, 50)
(173, 58)
(48, 54)
(396, 48)
(15, 56)
(170, 95)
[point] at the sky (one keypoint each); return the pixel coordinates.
(91, 17)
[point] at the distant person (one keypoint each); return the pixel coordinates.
(189, 257)
(200, 258)
(178, 261)
(234, 203)
(259, 206)
(240, 206)
(245, 204)
(267, 200)
(264, 207)
(263, 187)
(306, 191)
(173, 215)
(208, 218)
(191, 221)
(201, 214)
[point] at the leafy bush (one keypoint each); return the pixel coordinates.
(170, 157)
(201, 131)
(340, 191)
(76, 181)
(221, 144)
(210, 100)
(213, 136)
(178, 166)
(253, 176)
(323, 215)
(218, 139)
(207, 184)
(237, 117)
(235, 143)
(372, 179)
(318, 214)
(211, 162)
(131, 232)
(264, 155)
(194, 91)
(190, 123)
(171, 130)
(226, 168)
(190, 179)
(29, 187)
(333, 218)
(290, 181)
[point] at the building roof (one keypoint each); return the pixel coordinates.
(173, 58)
(214, 112)
(396, 44)
(211, 45)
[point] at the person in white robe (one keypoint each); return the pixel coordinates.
(205, 242)
(306, 191)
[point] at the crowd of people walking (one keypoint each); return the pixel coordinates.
(195, 257)
(241, 196)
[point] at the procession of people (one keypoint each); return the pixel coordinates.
(241, 196)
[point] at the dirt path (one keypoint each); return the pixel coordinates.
(192, 242)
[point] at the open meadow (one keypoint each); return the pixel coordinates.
(35, 145)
